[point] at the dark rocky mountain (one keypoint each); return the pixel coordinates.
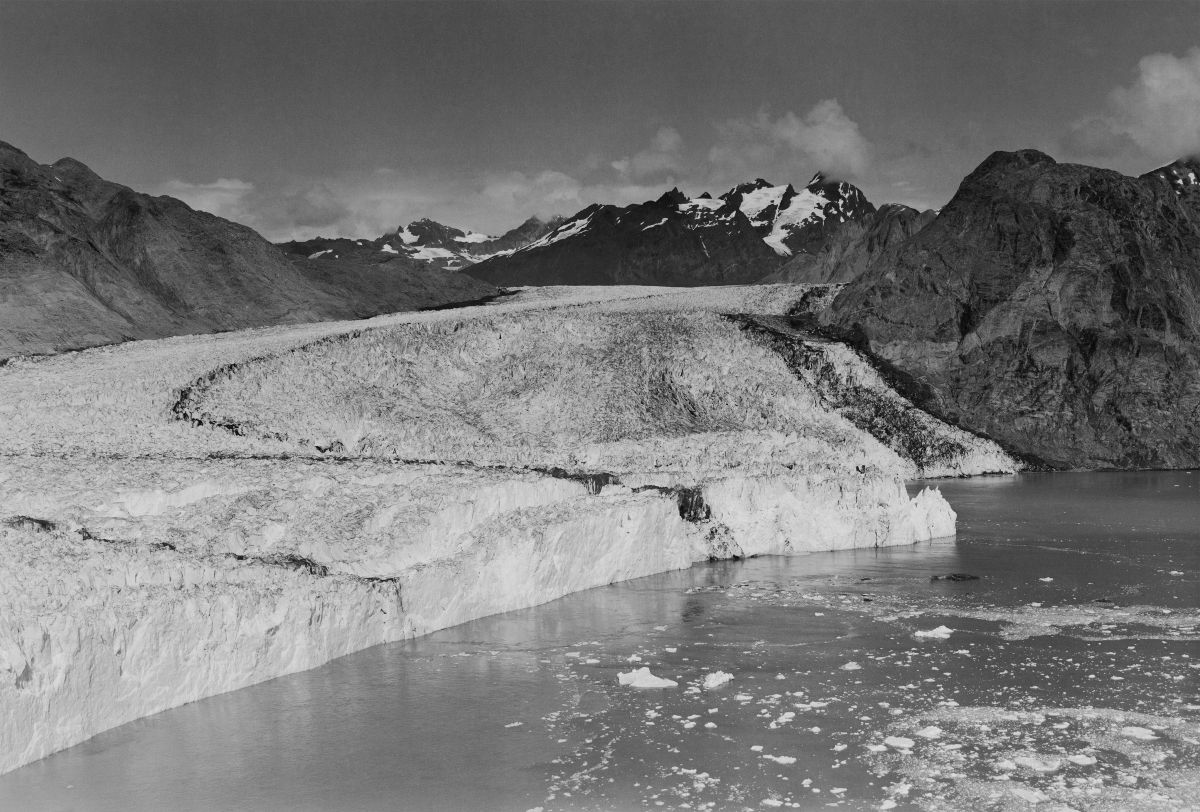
(855, 246)
(738, 238)
(424, 244)
(1052, 307)
(84, 261)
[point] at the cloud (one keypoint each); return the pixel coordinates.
(277, 214)
(371, 203)
(663, 157)
(224, 197)
(1157, 115)
(824, 139)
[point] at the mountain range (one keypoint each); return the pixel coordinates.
(424, 243)
(1054, 308)
(84, 261)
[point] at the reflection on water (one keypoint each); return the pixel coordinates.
(1082, 626)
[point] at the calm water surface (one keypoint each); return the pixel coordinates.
(1069, 675)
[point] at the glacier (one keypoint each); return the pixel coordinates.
(158, 555)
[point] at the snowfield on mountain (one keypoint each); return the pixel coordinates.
(192, 515)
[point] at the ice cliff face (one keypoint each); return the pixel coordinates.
(155, 560)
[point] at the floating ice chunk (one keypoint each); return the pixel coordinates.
(1045, 580)
(1145, 734)
(716, 679)
(710, 725)
(876, 748)
(1082, 759)
(931, 732)
(1038, 765)
(781, 759)
(514, 724)
(940, 633)
(642, 678)
(1174, 572)
(771, 802)
(388, 249)
(899, 742)
(851, 666)
(1034, 796)
(756, 748)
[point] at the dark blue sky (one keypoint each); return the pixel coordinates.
(309, 117)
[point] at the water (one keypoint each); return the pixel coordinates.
(1077, 641)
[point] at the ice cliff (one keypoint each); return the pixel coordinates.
(156, 555)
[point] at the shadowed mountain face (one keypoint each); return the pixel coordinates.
(738, 238)
(1053, 307)
(85, 262)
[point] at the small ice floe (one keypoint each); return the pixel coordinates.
(642, 678)
(514, 724)
(931, 732)
(1045, 580)
(1033, 796)
(1174, 572)
(772, 802)
(780, 759)
(899, 742)
(1082, 759)
(1145, 734)
(851, 666)
(756, 748)
(940, 633)
(1038, 765)
(716, 679)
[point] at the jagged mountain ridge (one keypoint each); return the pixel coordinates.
(737, 238)
(424, 243)
(1052, 307)
(84, 261)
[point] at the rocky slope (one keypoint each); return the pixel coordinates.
(854, 247)
(165, 544)
(1052, 307)
(738, 238)
(421, 244)
(84, 261)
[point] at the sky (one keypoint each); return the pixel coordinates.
(316, 118)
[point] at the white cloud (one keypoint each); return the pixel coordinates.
(1157, 115)
(824, 138)
(662, 157)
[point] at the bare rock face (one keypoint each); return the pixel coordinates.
(84, 262)
(1052, 307)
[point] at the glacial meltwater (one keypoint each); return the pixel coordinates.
(1063, 674)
